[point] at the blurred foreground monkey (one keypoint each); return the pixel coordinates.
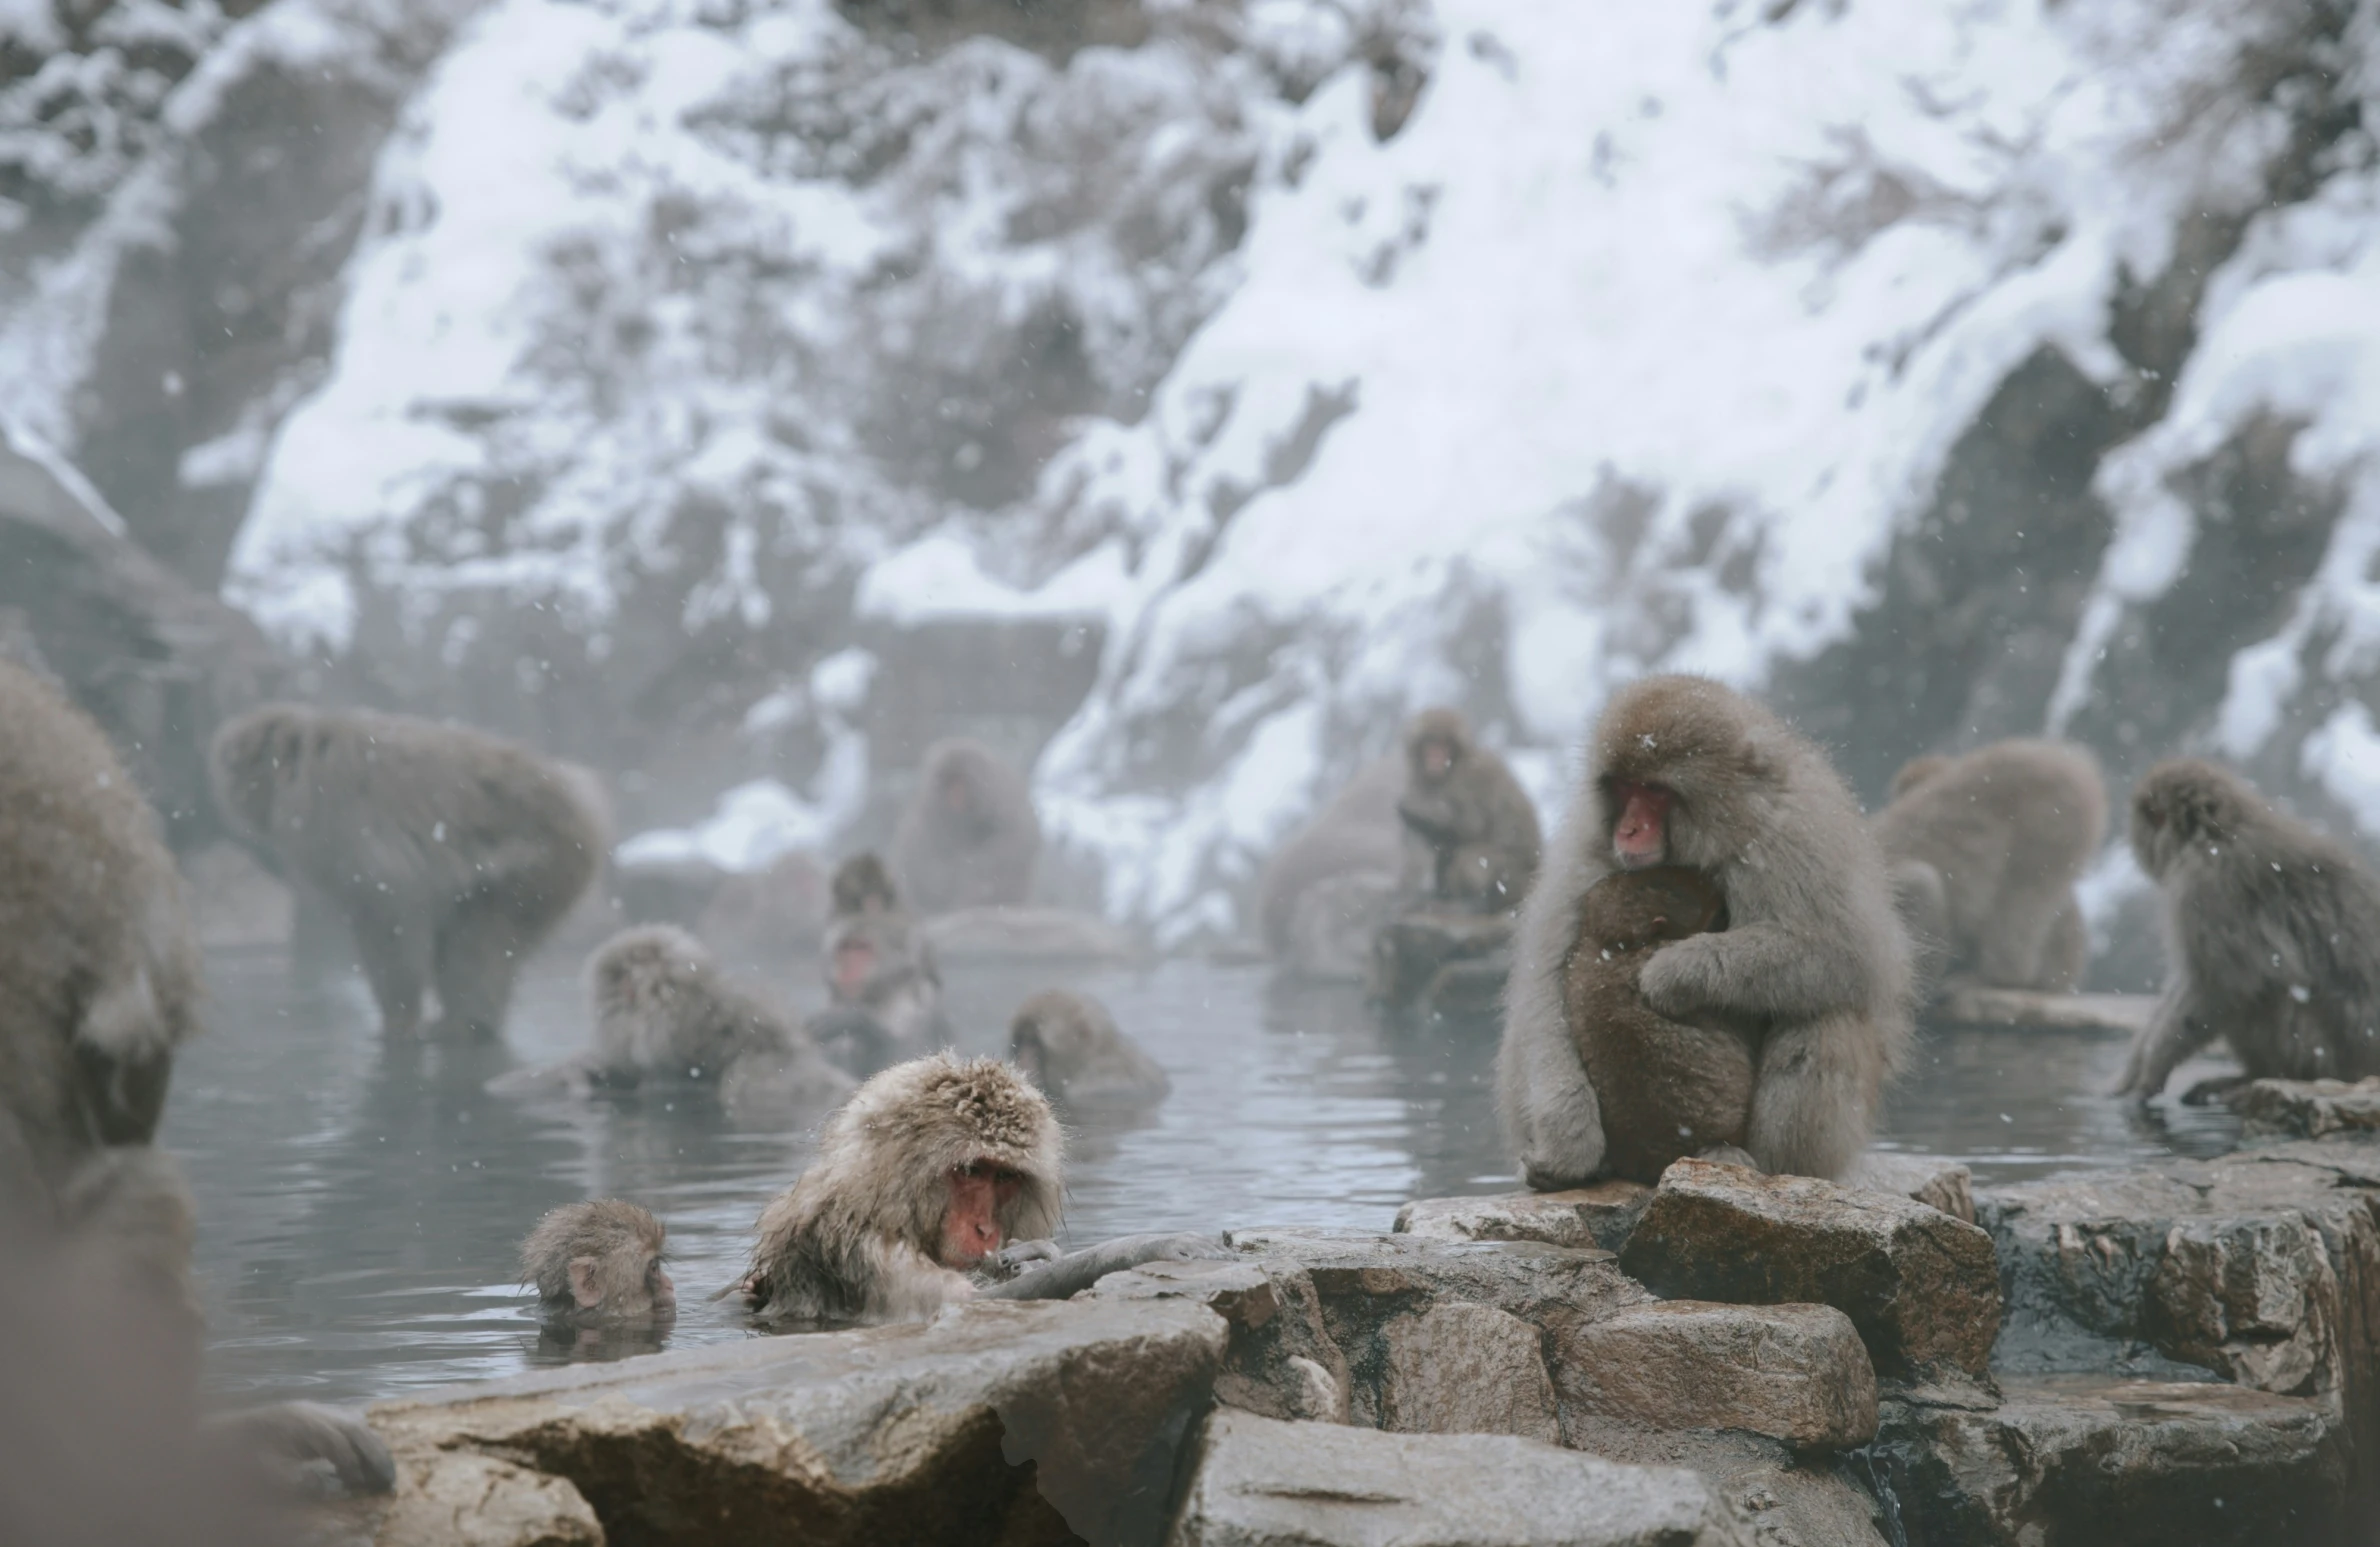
(98, 987)
(1685, 771)
(453, 854)
(1471, 831)
(665, 1011)
(1069, 1045)
(2272, 937)
(884, 987)
(1667, 1089)
(969, 837)
(1985, 850)
(937, 1176)
(599, 1262)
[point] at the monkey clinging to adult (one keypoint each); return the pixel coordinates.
(453, 854)
(1471, 833)
(937, 1177)
(2272, 936)
(1684, 771)
(1985, 849)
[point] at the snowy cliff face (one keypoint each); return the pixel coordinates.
(1944, 372)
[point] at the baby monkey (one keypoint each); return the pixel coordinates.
(598, 1263)
(1668, 1089)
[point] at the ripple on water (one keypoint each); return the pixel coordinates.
(359, 1203)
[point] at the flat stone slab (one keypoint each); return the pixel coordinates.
(2126, 1013)
(2307, 1109)
(1922, 1288)
(2106, 1462)
(1030, 935)
(1263, 1483)
(1797, 1373)
(994, 1423)
(1598, 1215)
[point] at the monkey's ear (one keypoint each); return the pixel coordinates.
(582, 1283)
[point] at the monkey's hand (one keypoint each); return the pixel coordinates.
(1016, 1256)
(290, 1440)
(1078, 1271)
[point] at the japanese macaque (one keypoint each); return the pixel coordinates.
(937, 1177)
(1985, 850)
(1471, 835)
(884, 987)
(1326, 891)
(599, 1262)
(969, 837)
(2272, 937)
(98, 988)
(1667, 1089)
(1068, 1044)
(664, 1008)
(1684, 771)
(453, 854)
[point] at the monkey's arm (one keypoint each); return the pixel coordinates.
(284, 1437)
(2177, 1029)
(1756, 969)
(1077, 1271)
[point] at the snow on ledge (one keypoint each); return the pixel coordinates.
(936, 579)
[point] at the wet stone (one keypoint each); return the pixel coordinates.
(1441, 962)
(1599, 1215)
(1262, 1483)
(1922, 1288)
(2307, 1109)
(1281, 1362)
(1941, 1184)
(994, 1423)
(1458, 1368)
(1796, 1373)
(2115, 1013)
(2100, 1461)
(469, 1499)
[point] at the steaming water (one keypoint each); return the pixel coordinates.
(359, 1203)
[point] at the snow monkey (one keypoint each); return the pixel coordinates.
(1471, 835)
(937, 1176)
(663, 1007)
(1666, 1089)
(1069, 1045)
(969, 838)
(1684, 771)
(98, 988)
(881, 978)
(2272, 936)
(599, 1262)
(453, 854)
(1359, 835)
(1985, 850)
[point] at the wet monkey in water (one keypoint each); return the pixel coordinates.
(2272, 936)
(98, 990)
(453, 854)
(969, 838)
(1471, 833)
(883, 986)
(1985, 849)
(599, 1262)
(1069, 1045)
(1685, 771)
(938, 1181)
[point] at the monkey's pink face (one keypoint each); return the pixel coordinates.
(855, 963)
(971, 1231)
(1640, 835)
(1434, 757)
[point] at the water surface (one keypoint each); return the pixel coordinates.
(359, 1203)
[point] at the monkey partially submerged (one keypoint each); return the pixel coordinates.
(599, 1262)
(1684, 771)
(98, 988)
(936, 1178)
(1667, 1088)
(1070, 1046)
(969, 838)
(1985, 849)
(2272, 937)
(883, 986)
(453, 854)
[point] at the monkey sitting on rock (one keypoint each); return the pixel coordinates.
(453, 854)
(1685, 771)
(2272, 933)
(665, 1011)
(599, 1262)
(1070, 1046)
(937, 1182)
(1471, 834)
(884, 988)
(1667, 1089)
